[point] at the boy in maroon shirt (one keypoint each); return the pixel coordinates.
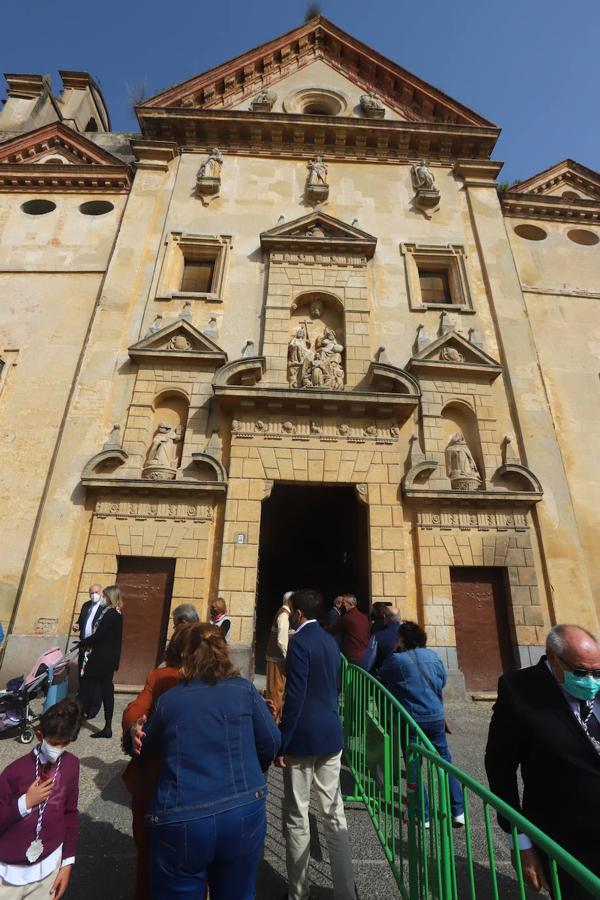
(39, 820)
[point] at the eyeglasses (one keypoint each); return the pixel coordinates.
(580, 673)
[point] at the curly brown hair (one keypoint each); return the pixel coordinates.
(205, 655)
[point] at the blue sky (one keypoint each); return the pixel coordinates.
(530, 66)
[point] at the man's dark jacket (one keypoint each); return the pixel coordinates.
(533, 726)
(310, 723)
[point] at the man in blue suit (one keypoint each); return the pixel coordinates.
(312, 742)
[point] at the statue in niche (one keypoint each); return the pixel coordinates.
(423, 176)
(298, 351)
(161, 460)
(371, 107)
(460, 465)
(317, 172)
(211, 168)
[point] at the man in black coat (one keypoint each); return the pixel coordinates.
(547, 721)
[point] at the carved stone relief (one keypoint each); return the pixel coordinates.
(179, 342)
(263, 102)
(318, 366)
(305, 428)
(131, 507)
(479, 519)
(371, 107)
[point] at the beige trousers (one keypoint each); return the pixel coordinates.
(39, 890)
(322, 772)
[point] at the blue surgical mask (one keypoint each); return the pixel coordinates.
(583, 687)
(51, 753)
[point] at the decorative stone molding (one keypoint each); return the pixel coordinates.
(132, 506)
(303, 428)
(321, 236)
(479, 519)
(205, 460)
(240, 372)
(362, 492)
(449, 259)
(441, 360)
(263, 102)
(184, 247)
(107, 460)
(180, 340)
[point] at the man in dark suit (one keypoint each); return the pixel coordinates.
(312, 742)
(90, 609)
(547, 721)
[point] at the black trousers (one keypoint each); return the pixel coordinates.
(95, 691)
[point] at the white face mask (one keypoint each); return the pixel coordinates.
(96, 598)
(51, 753)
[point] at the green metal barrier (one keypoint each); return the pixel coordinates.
(398, 774)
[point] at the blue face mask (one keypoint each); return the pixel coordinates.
(583, 687)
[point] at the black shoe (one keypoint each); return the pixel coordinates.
(105, 733)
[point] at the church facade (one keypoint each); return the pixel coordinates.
(291, 334)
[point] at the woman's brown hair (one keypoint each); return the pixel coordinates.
(205, 655)
(174, 651)
(220, 605)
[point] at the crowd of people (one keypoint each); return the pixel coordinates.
(201, 739)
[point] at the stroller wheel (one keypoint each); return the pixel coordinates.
(27, 735)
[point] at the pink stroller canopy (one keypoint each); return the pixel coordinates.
(48, 658)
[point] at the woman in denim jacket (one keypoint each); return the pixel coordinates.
(416, 677)
(215, 738)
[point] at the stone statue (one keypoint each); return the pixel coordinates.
(371, 107)
(163, 451)
(317, 171)
(460, 465)
(423, 176)
(211, 168)
(316, 309)
(298, 352)
(326, 368)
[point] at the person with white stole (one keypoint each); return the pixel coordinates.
(39, 819)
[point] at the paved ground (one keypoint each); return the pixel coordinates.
(105, 860)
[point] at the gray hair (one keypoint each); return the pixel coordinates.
(288, 596)
(185, 612)
(557, 638)
(391, 614)
(350, 599)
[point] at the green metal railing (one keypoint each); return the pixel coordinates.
(405, 786)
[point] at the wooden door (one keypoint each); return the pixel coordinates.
(483, 635)
(147, 585)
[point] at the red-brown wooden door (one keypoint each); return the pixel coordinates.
(147, 585)
(483, 635)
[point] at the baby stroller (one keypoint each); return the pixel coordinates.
(48, 678)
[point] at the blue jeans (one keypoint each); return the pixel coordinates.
(436, 732)
(222, 851)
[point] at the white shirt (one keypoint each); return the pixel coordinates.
(37, 871)
(307, 622)
(89, 622)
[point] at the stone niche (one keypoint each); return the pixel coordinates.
(316, 347)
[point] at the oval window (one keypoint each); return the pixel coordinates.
(583, 237)
(38, 207)
(531, 232)
(96, 207)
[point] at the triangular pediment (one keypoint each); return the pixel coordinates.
(233, 84)
(318, 230)
(179, 339)
(55, 143)
(567, 180)
(454, 354)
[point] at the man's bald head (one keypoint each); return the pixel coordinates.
(571, 647)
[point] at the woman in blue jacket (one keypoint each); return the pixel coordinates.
(416, 677)
(215, 738)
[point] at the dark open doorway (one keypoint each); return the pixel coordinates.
(310, 536)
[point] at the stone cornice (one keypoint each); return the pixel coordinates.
(450, 498)
(538, 206)
(108, 484)
(262, 67)
(291, 135)
(478, 173)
